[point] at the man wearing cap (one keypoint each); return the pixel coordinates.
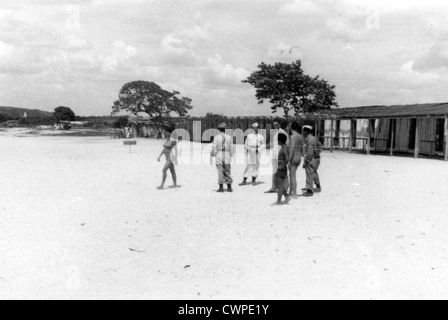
(275, 149)
(222, 151)
(312, 162)
(254, 145)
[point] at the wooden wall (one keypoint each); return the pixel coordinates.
(362, 133)
(330, 133)
(382, 134)
(344, 134)
(402, 135)
(428, 136)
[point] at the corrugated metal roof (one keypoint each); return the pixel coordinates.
(377, 112)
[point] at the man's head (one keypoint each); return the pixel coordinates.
(284, 125)
(282, 139)
(276, 125)
(295, 126)
(222, 127)
(256, 127)
(307, 130)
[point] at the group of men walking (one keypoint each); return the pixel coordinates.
(287, 153)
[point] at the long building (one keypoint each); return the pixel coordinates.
(420, 129)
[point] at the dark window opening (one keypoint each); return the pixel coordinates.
(391, 130)
(354, 132)
(336, 135)
(412, 134)
(372, 131)
(440, 135)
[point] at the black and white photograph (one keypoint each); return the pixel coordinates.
(223, 150)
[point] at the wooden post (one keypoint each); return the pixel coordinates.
(446, 138)
(392, 128)
(332, 130)
(368, 146)
(417, 139)
(351, 137)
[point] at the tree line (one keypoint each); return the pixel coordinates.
(286, 87)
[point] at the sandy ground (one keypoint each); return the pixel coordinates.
(81, 218)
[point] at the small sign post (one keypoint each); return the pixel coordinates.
(130, 143)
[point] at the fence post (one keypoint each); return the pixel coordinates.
(332, 130)
(446, 138)
(392, 128)
(417, 139)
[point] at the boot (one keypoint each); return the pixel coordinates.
(318, 189)
(229, 188)
(244, 182)
(308, 193)
(254, 181)
(221, 188)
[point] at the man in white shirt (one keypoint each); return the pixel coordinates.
(222, 151)
(255, 144)
(275, 151)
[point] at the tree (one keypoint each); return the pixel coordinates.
(64, 114)
(149, 97)
(288, 88)
(121, 122)
(3, 117)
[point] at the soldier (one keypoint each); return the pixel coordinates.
(312, 162)
(274, 153)
(282, 172)
(254, 145)
(222, 151)
(296, 153)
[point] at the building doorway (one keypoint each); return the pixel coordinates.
(440, 135)
(412, 134)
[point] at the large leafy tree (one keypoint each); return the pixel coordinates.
(64, 114)
(149, 97)
(288, 88)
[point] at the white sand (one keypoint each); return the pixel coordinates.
(81, 218)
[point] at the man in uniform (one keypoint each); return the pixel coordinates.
(222, 151)
(275, 149)
(312, 162)
(254, 145)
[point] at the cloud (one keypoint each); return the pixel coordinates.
(172, 45)
(225, 71)
(300, 7)
(410, 77)
(436, 58)
(122, 55)
(17, 60)
(367, 94)
(344, 29)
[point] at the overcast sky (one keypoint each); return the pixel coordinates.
(79, 53)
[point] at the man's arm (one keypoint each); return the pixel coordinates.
(285, 163)
(291, 149)
(213, 151)
(161, 154)
(175, 154)
(246, 144)
(310, 146)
